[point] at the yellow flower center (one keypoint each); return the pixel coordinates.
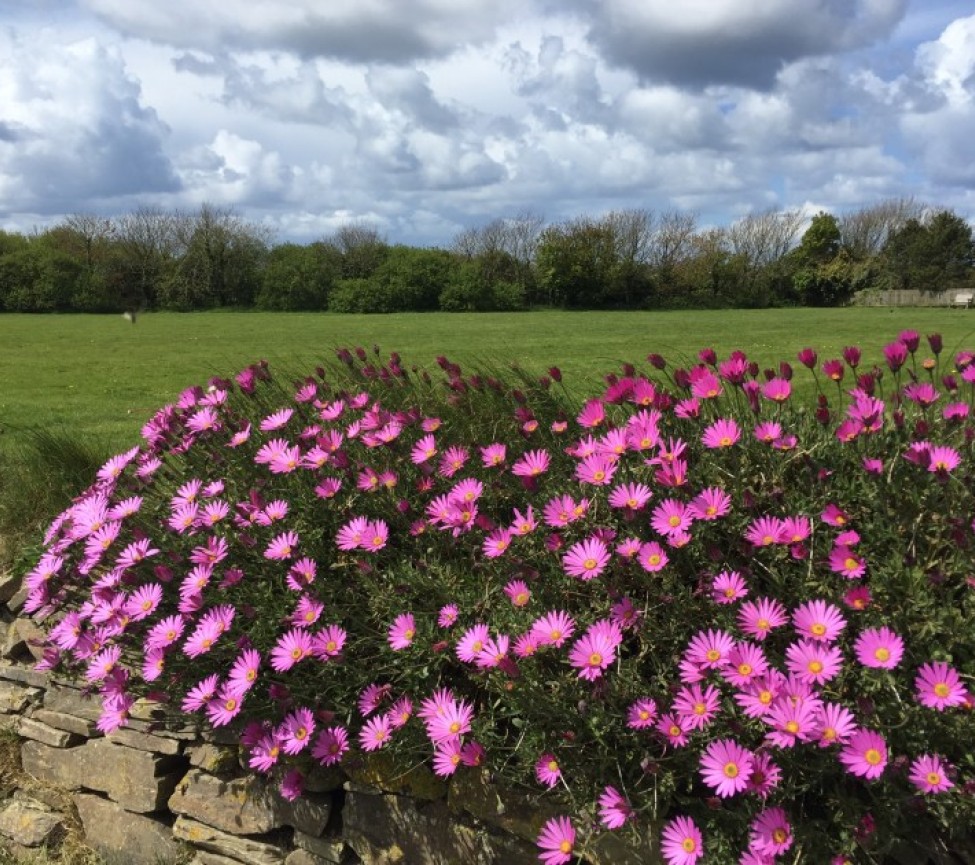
(730, 770)
(595, 659)
(872, 756)
(689, 845)
(933, 778)
(851, 564)
(818, 629)
(792, 726)
(941, 689)
(744, 669)
(589, 564)
(779, 835)
(815, 666)
(882, 654)
(713, 655)
(565, 847)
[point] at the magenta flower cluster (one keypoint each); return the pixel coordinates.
(720, 594)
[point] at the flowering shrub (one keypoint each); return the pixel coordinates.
(691, 606)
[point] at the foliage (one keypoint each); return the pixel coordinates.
(930, 254)
(572, 598)
(298, 277)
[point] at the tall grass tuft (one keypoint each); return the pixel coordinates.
(41, 471)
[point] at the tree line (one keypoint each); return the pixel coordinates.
(153, 259)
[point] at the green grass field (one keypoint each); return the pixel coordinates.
(101, 377)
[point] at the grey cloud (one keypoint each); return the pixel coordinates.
(384, 31)
(709, 42)
(408, 90)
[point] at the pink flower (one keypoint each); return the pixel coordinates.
(375, 734)
(813, 662)
(865, 754)
(697, 707)
(493, 455)
(792, 721)
(818, 620)
(531, 464)
(556, 841)
(554, 628)
(728, 587)
(674, 728)
(726, 767)
(596, 649)
(641, 714)
(846, 561)
(295, 730)
(680, 842)
(614, 809)
(587, 559)
(766, 531)
(746, 661)
(353, 534)
(292, 647)
(710, 504)
(402, 632)
(518, 592)
(879, 647)
(547, 770)
(596, 469)
(282, 547)
(592, 415)
(671, 517)
(447, 756)
(471, 643)
(723, 433)
(652, 557)
(328, 642)
(709, 649)
(938, 686)
(759, 618)
(771, 832)
(331, 745)
(836, 724)
(632, 496)
(929, 775)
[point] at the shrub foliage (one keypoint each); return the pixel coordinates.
(685, 601)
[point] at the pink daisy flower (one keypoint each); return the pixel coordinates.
(295, 730)
(471, 643)
(493, 455)
(402, 632)
(765, 531)
(587, 559)
(836, 724)
(596, 469)
(845, 560)
(726, 767)
(595, 651)
(771, 832)
(710, 649)
(547, 770)
(331, 745)
(352, 535)
(518, 592)
(652, 557)
(556, 841)
(879, 647)
(818, 620)
(858, 598)
(290, 649)
(447, 756)
(614, 809)
(243, 673)
(641, 714)
(746, 661)
(632, 496)
(674, 728)
(328, 642)
(765, 776)
(929, 775)
(447, 615)
(680, 842)
(592, 415)
(554, 628)
(728, 587)
(938, 686)
(834, 515)
(792, 722)
(723, 433)
(865, 754)
(375, 734)
(670, 517)
(759, 618)
(813, 662)
(282, 547)
(531, 464)
(697, 706)
(711, 503)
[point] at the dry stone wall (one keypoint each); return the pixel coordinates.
(150, 795)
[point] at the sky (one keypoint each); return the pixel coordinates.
(427, 117)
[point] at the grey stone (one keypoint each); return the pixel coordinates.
(204, 858)
(17, 600)
(303, 857)
(16, 698)
(68, 723)
(122, 837)
(138, 780)
(384, 830)
(146, 742)
(33, 729)
(333, 850)
(521, 815)
(215, 759)
(29, 824)
(71, 701)
(10, 584)
(24, 675)
(24, 640)
(622, 847)
(379, 772)
(249, 850)
(246, 806)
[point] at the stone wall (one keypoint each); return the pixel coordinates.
(148, 795)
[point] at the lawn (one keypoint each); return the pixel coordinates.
(102, 377)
